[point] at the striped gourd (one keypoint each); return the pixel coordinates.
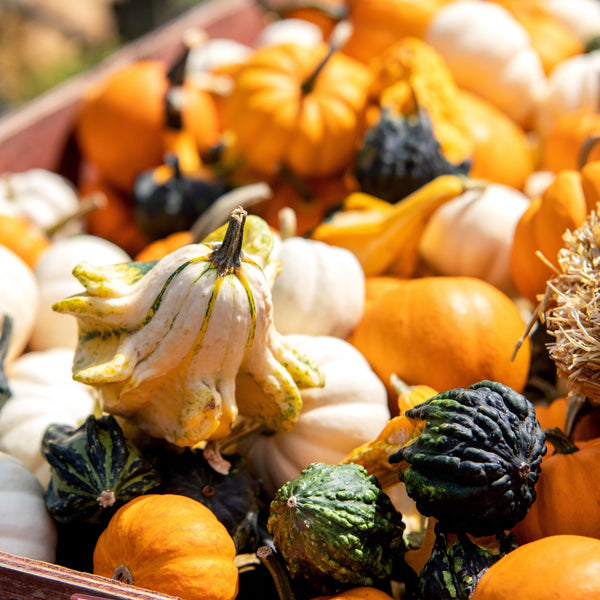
(164, 342)
(94, 470)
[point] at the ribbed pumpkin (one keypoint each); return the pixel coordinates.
(170, 544)
(445, 332)
(296, 107)
(358, 593)
(561, 567)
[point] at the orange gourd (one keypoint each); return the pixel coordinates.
(157, 249)
(170, 544)
(296, 108)
(492, 132)
(567, 492)
(561, 567)
(562, 206)
(444, 332)
(359, 593)
(24, 238)
(120, 122)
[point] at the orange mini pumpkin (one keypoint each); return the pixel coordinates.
(170, 544)
(444, 332)
(24, 238)
(359, 593)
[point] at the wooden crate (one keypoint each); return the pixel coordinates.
(40, 135)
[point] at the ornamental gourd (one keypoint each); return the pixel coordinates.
(475, 465)
(170, 544)
(349, 410)
(443, 331)
(333, 522)
(189, 322)
(26, 527)
(298, 108)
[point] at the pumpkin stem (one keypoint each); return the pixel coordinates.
(227, 257)
(271, 560)
(123, 574)
(88, 204)
(282, 10)
(586, 148)
(7, 327)
(308, 84)
(561, 441)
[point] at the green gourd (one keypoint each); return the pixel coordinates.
(475, 465)
(333, 522)
(399, 154)
(94, 470)
(5, 334)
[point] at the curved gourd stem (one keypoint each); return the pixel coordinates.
(87, 205)
(270, 559)
(337, 12)
(307, 86)
(586, 149)
(561, 441)
(228, 256)
(122, 573)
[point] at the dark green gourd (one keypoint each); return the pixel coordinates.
(475, 465)
(335, 522)
(94, 470)
(400, 154)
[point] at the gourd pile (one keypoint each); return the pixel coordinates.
(319, 318)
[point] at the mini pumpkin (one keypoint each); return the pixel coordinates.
(171, 544)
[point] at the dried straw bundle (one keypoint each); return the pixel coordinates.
(572, 312)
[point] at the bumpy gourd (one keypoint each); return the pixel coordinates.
(94, 470)
(163, 342)
(333, 521)
(475, 465)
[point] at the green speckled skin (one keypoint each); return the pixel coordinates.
(334, 521)
(475, 465)
(89, 460)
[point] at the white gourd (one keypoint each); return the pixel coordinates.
(26, 527)
(472, 235)
(320, 289)
(490, 54)
(351, 409)
(582, 17)
(55, 281)
(43, 392)
(19, 298)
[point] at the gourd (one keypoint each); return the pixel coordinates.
(5, 333)
(539, 570)
(563, 491)
(168, 199)
(580, 16)
(297, 108)
(385, 238)
(475, 465)
(43, 392)
(333, 522)
(573, 85)
(320, 289)
(562, 206)
(170, 544)
(492, 131)
(54, 280)
(94, 470)
(357, 593)
(421, 131)
(26, 527)
(232, 496)
(472, 235)
(349, 410)
(509, 75)
(447, 321)
(19, 300)
(42, 197)
(193, 320)
(24, 238)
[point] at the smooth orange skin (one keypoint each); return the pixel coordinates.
(359, 593)
(170, 544)
(25, 239)
(444, 332)
(562, 567)
(567, 495)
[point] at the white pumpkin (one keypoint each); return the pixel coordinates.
(490, 54)
(19, 299)
(320, 289)
(351, 409)
(41, 196)
(43, 392)
(472, 234)
(55, 281)
(281, 31)
(26, 527)
(573, 85)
